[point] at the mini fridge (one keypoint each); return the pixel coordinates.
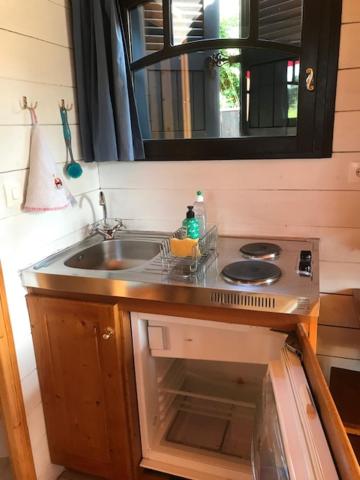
(220, 401)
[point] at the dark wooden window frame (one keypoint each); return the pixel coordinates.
(319, 50)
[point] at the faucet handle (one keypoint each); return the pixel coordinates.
(119, 224)
(108, 229)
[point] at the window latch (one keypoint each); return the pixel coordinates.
(310, 84)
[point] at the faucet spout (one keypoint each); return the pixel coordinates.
(102, 203)
(107, 228)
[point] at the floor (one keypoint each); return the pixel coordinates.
(5, 469)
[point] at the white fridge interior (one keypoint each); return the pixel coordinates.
(202, 387)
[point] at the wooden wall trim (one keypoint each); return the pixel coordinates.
(11, 397)
(342, 451)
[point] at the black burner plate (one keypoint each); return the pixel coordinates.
(262, 250)
(253, 272)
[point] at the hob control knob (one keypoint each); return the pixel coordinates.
(305, 255)
(305, 268)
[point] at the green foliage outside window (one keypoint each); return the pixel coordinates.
(229, 74)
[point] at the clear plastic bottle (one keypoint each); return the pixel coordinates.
(200, 212)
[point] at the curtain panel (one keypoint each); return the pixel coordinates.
(109, 126)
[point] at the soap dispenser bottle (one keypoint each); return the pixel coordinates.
(191, 224)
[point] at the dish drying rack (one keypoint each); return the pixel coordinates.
(186, 267)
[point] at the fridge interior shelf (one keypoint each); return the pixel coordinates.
(182, 381)
(227, 431)
(205, 412)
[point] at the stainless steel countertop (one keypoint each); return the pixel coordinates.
(290, 294)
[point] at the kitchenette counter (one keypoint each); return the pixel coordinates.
(292, 293)
(83, 325)
(149, 287)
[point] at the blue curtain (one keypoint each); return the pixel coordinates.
(109, 127)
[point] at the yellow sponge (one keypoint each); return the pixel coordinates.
(184, 247)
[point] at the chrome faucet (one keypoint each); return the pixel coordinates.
(104, 227)
(102, 203)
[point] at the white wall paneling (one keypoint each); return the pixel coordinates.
(348, 90)
(350, 37)
(26, 58)
(47, 96)
(295, 174)
(27, 18)
(15, 144)
(346, 138)
(351, 11)
(36, 61)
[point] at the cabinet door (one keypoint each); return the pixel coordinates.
(84, 358)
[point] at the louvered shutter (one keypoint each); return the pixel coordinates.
(280, 21)
(153, 26)
(188, 22)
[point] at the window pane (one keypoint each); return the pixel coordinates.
(281, 21)
(204, 19)
(146, 29)
(219, 93)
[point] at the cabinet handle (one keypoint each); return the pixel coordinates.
(310, 86)
(108, 333)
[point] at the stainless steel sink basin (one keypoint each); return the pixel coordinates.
(117, 254)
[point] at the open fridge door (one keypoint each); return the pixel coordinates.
(290, 442)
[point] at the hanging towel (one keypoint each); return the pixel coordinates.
(46, 189)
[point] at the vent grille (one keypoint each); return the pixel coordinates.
(243, 300)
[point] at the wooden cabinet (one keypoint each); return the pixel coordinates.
(86, 370)
(84, 358)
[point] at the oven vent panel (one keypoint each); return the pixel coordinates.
(243, 300)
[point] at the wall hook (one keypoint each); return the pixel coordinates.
(28, 106)
(67, 107)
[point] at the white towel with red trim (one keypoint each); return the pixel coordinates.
(46, 189)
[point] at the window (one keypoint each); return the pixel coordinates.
(218, 79)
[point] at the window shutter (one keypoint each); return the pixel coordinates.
(188, 25)
(154, 26)
(280, 21)
(188, 20)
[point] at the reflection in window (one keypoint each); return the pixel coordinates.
(219, 93)
(293, 71)
(205, 19)
(272, 96)
(281, 21)
(188, 21)
(224, 92)
(146, 29)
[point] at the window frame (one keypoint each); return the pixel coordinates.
(319, 49)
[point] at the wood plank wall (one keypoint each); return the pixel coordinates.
(319, 198)
(36, 61)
